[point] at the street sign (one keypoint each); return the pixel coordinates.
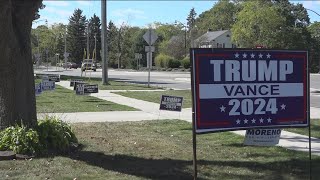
(149, 48)
(262, 137)
(66, 55)
(149, 60)
(171, 103)
(75, 80)
(150, 37)
(48, 85)
(249, 88)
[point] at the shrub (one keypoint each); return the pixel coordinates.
(186, 62)
(162, 60)
(20, 140)
(172, 63)
(55, 134)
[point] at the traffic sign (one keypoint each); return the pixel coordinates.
(249, 88)
(150, 37)
(66, 54)
(149, 48)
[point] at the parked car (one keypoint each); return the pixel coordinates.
(88, 64)
(70, 65)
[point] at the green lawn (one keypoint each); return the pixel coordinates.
(315, 129)
(62, 100)
(155, 96)
(113, 85)
(161, 150)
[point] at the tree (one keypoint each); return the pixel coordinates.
(17, 96)
(76, 38)
(112, 34)
(95, 31)
(191, 19)
(220, 17)
(314, 56)
(258, 23)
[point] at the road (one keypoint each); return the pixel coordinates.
(174, 80)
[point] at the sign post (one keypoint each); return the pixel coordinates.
(150, 37)
(239, 89)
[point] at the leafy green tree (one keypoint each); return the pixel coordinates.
(76, 38)
(220, 17)
(191, 22)
(258, 23)
(95, 31)
(314, 56)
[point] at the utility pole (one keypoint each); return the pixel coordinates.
(104, 45)
(65, 48)
(95, 46)
(88, 48)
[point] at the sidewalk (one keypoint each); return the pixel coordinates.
(150, 111)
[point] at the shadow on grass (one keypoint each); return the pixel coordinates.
(182, 169)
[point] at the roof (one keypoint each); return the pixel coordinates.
(211, 35)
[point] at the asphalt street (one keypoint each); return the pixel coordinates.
(174, 80)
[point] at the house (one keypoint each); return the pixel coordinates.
(215, 39)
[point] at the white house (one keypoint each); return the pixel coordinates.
(215, 39)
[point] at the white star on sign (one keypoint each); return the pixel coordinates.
(260, 55)
(245, 121)
(244, 55)
(269, 120)
(223, 109)
(283, 107)
(252, 55)
(261, 120)
(268, 55)
(238, 121)
(237, 55)
(253, 121)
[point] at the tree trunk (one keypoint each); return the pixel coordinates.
(17, 96)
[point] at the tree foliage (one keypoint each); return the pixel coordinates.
(220, 17)
(95, 31)
(76, 38)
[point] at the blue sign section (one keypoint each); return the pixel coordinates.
(249, 88)
(38, 89)
(48, 85)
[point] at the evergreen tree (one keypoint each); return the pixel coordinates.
(191, 19)
(76, 38)
(95, 30)
(112, 35)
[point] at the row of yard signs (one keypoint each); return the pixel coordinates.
(82, 88)
(47, 84)
(249, 89)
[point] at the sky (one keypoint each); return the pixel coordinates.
(138, 13)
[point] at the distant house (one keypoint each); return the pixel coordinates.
(215, 39)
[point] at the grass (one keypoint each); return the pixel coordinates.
(314, 126)
(62, 100)
(113, 85)
(155, 96)
(161, 150)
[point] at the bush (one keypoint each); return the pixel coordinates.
(55, 134)
(172, 63)
(162, 60)
(20, 140)
(50, 134)
(186, 63)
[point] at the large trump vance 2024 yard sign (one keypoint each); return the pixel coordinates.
(249, 88)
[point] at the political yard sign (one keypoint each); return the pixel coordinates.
(171, 103)
(249, 88)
